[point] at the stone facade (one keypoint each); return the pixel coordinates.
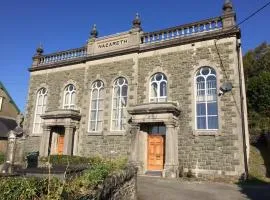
(178, 53)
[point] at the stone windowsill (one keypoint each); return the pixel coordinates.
(206, 132)
(117, 133)
(36, 135)
(98, 133)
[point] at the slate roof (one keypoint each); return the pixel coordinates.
(11, 100)
(6, 125)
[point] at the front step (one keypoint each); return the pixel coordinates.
(153, 173)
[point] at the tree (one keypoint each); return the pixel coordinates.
(257, 77)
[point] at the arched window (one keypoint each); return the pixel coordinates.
(158, 88)
(41, 103)
(119, 104)
(96, 106)
(206, 99)
(69, 97)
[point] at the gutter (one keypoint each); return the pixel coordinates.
(240, 67)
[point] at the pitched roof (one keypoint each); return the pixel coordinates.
(6, 125)
(11, 100)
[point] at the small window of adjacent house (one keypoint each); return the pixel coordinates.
(69, 97)
(119, 104)
(96, 106)
(1, 102)
(158, 88)
(41, 103)
(206, 99)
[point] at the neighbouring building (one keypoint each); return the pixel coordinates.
(168, 100)
(8, 114)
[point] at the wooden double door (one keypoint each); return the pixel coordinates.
(155, 153)
(60, 144)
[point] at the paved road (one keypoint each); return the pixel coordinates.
(169, 189)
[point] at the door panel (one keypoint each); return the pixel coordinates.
(155, 152)
(60, 144)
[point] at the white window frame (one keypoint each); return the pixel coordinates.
(158, 98)
(206, 97)
(97, 110)
(43, 94)
(121, 120)
(68, 94)
(1, 102)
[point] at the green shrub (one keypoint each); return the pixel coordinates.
(65, 160)
(36, 188)
(95, 175)
(2, 158)
(28, 188)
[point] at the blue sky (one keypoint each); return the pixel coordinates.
(65, 24)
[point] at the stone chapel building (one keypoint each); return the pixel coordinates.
(163, 99)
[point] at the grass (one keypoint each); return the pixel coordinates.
(259, 162)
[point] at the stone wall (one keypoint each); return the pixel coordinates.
(218, 152)
(82, 76)
(119, 186)
(207, 153)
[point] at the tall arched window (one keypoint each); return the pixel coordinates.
(41, 103)
(69, 97)
(96, 106)
(119, 104)
(206, 99)
(158, 88)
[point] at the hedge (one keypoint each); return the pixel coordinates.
(23, 188)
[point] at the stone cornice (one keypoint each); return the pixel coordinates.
(62, 113)
(155, 108)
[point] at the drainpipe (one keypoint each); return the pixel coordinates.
(240, 67)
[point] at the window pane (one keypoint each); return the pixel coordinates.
(100, 105)
(200, 81)
(94, 105)
(101, 93)
(99, 126)
(73, 95)
(92, 126)
(100, 115)
(116, 91)
(67, 98)
(154, 129)
(205, 71)
(212, 108)
(123, 101)
(162, 129)
(93, 115)
(201, 122)
(213, 122)
(94, 94)
(40, 100)
(201, 109)
(163, 88)
(124, 90)
(154, 90)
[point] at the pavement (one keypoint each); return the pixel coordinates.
(156, 188)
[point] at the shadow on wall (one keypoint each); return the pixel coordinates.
(258, 184)
(262, 144)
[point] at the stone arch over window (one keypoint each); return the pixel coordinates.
(69, 97)
(158, 88)
(41, 103)
(96, 106)
(206, 99)
(119, 104)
